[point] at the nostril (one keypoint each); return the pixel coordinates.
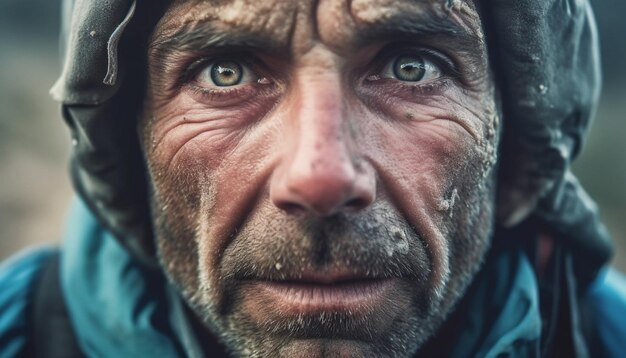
(356, 204)
(290, 207)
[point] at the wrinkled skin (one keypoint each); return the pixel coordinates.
(321, 161)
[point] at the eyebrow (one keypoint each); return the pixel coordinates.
(195, 38)
(204, 37)
(410, 26)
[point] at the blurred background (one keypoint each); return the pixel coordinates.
(35, 191)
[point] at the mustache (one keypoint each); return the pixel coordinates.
(376, 244)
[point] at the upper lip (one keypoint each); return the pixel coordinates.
(326, 277)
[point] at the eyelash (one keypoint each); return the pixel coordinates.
(187, 79)
(448, 68)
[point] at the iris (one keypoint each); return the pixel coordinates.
(409, 68)
(226, 73)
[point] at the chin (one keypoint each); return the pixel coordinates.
(314, 348)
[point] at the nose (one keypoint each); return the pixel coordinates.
(321, 171)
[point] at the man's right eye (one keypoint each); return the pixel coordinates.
(225, 73)
(411, 68)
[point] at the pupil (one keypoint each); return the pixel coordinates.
(409, 68)
(226, 73)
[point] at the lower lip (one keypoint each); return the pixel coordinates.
(355, 296)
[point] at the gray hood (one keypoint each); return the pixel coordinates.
(545, 55)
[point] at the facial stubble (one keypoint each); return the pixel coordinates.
(271, 245)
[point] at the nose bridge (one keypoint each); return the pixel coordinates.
(320, 118)
(318, 171)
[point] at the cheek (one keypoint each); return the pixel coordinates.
(424, 147)
(201, 178)
(190, 130)
(427, 163)
(213, 175)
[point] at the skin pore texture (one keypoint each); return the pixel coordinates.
(321, 205)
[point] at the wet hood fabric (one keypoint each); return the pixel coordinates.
(545, 56)
(100, 90)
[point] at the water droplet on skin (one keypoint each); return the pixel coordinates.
(448, 204)
(403, 246)
(264, 81)
(389, 251)
(278, 266)
(444, 205)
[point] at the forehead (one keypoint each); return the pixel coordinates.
(340, 23)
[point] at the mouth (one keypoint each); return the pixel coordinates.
(317, 293)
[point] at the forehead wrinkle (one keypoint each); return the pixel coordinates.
(403, 27)
(304, 33)
(447, 16)
(267, 19)
(369, 11)
(347, 25)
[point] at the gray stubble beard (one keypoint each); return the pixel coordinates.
(241, 336)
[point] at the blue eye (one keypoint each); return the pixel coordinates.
(411, 68)
(225, 73)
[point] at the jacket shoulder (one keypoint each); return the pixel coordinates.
(607, 302)
(18, 278)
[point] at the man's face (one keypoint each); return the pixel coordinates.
(321, 170)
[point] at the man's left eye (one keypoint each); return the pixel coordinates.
(411, 68)
(225, 73)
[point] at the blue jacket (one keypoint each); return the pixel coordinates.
(121, 309)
